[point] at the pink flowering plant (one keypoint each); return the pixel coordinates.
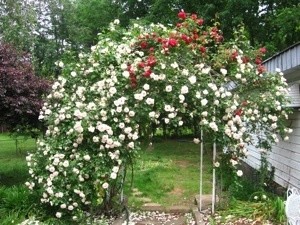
(149, 74)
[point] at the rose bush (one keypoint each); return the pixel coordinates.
(149, 74)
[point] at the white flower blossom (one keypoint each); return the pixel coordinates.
(204, 102)
(196, 140)
(168, 88)
(184, 90)
(239, 173)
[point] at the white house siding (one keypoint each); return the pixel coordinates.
(294, 89)
(285, 155)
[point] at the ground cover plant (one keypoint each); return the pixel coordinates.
(138, 77)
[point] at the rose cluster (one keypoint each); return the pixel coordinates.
(149, 74)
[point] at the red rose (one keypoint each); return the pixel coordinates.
(151, 61)
(172, 42)
(133, 81)
(186, 39)
(258, 60)
(234, 55)
(263, 50)
(141, 65)
(245, 59)
(182, 15)
(200, 21)
(144, 44)
(238, 112)
(261, 69)
(193, 16)
(245, 103)
(147, 73)
(202, 49)
(159, 40)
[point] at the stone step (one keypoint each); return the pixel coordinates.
(206, 201)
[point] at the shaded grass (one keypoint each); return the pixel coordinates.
(168, 174)
(13, 169)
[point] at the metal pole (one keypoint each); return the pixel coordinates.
(201, 169)
(214, 179)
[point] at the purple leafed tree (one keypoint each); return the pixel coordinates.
(21, 91)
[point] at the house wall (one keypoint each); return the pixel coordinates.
(285, 156)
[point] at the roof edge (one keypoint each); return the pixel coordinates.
(281, 52)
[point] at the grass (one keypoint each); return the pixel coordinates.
(15, 202)
(13, 169)
(168, 174)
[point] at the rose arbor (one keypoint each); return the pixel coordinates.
(143, 75)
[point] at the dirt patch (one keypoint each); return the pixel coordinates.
(177, 191)
(182, 163)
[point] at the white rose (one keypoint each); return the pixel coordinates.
(150, 101)
(184, 90)
(239, 173)
(66, 163)
(196, 140)
(223, 71)
(192, 79)
(146, 87)
(58, 214)
(113, 175)
(87, 158)
(168, 88)
(105, 185)
(205, 92)
(126, 74)
(204, 102)
(238, 76)
(131, 113)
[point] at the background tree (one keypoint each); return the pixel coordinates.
(49, 29)
(20, 91)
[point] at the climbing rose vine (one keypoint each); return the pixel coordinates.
(149, 74)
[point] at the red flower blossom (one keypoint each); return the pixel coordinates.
(245, 59)
(172, 42)
(238, 112)
(151, 61)
(258, 60)
(202, 49)
(245, 103)
(133, 81)
(195, 36)
(261, 69)
(234, 55)
(186, 39)
(194, 16)
(263, 50)
(200, 21)
(159, 40)
(141, 65)
(147, 73)
(144, 44)
(179, 25)
(182, 15)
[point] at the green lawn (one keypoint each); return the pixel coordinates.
(13, 169)
(168, 174)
